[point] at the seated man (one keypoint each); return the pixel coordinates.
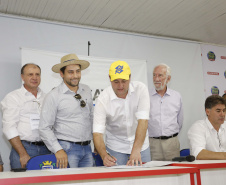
(208, 137)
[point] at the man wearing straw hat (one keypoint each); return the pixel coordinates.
(67, 115)
(122, 113)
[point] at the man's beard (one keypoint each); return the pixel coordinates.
(71, 84)
(162, 86)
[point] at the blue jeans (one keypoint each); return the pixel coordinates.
(78, 155)
(123, 158)
(32, 151)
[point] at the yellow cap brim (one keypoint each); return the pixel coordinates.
(118, 76)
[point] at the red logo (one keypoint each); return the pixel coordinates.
(223, 57)
(212, 73)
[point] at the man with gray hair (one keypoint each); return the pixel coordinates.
(166, 116)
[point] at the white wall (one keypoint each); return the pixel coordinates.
(183, 57)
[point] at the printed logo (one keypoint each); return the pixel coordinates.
(211, 56)
(215, 90)
(223, 57)
(119, 69)
(212, 73)
(47, 165)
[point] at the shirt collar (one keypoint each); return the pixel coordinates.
(114, 96)
(154, 92)
(66, 90)
(26, 92)
(211, 126)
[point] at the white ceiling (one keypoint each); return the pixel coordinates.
(196, 20)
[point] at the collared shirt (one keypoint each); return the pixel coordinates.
(20, 109)
(166, 113)
(63, 118)
(119, 117)
(202, 135)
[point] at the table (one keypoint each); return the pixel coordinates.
(170, 175)
(211, 171)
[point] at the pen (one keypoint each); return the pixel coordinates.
(111, 157)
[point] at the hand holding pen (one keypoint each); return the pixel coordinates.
(109, 160)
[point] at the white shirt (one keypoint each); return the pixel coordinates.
(119, 117)
(166, 113)
(21, 110)
(202, 135)
(63, 118)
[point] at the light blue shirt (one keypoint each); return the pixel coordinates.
(166, 113)
(62, 117)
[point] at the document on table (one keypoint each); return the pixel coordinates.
(124, 167)
(150, 164)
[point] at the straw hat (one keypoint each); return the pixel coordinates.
(68, 60)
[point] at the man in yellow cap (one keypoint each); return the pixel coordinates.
(67, 116)
(122, 113)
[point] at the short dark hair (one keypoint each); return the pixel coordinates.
(214, 100)
(22, 69)
(63, 68)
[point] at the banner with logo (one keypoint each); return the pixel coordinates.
(95, 76)
(214, 69)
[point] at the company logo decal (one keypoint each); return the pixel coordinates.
(119, 69)
(212, 73)
(211, 56)
(47, 165)
(215, 90)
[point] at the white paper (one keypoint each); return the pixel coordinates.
(152, 164)
(124, 167)
(34, 121)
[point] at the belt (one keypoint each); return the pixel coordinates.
(165, 137)
(83, 143)
(38, 143)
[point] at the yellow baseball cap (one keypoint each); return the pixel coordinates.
(119, 70)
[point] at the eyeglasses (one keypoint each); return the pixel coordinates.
(82, 102)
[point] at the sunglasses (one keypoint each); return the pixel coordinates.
(82, 102)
